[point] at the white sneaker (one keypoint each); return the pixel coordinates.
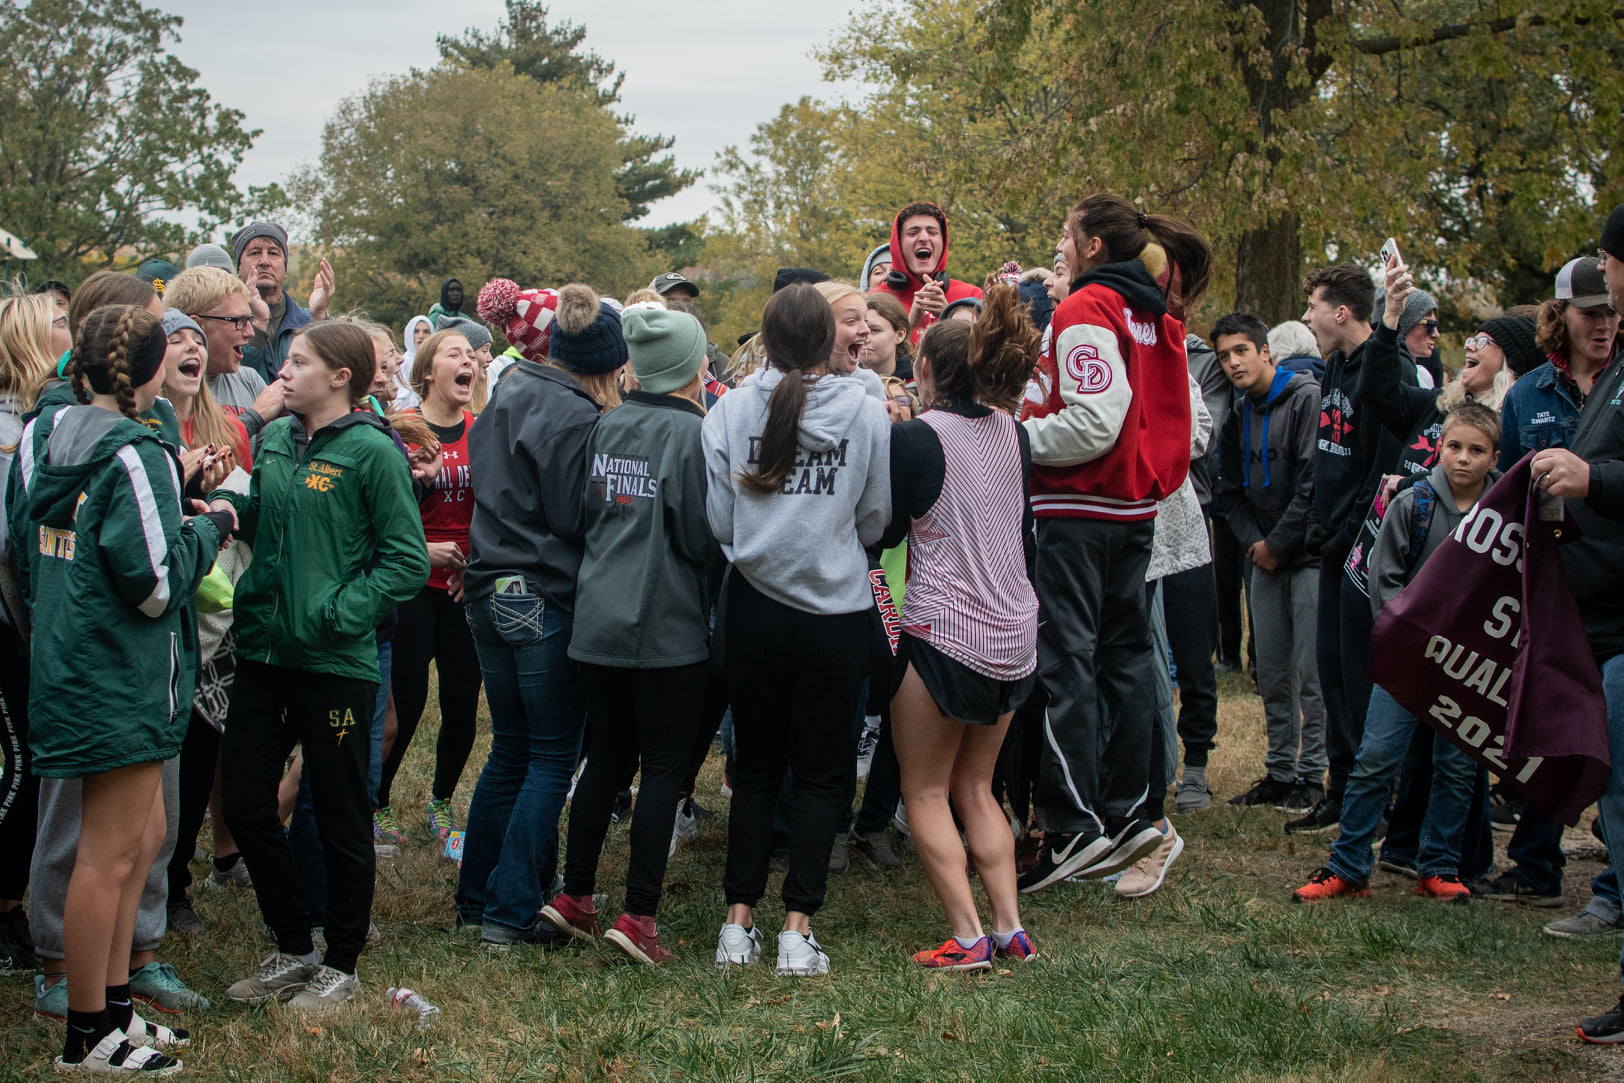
(685, 828)
(115, 1055)
(800, 956)
(225, 879)
(1144, 876)
(737, 946)
(866, 745)
(327, 990)
(899, 820)
(278, 975)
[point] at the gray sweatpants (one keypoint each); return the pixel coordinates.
(1284, 605)
(56, 847)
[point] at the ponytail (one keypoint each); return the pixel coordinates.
(798, 332)
(1125, 231)
(988, 361)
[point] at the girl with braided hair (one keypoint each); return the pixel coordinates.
(112, 564)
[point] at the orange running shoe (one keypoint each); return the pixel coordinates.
(952, 957)
(1447, 888)
(1325, 884)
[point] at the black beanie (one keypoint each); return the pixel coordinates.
(598, 349)
(1515, 337)
(1612, 234)
(789, 276)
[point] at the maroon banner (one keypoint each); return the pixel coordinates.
(1486, 646)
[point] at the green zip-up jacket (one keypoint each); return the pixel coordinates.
(112, 567)
(160, 418)
(337, 544)
(640, 599)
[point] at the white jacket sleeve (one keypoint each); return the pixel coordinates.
(1095, 395)
(1200, 422)
(719, 493)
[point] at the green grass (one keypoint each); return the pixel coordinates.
(1217, 976)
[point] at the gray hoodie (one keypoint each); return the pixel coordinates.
(803, 545)
(1392, 565)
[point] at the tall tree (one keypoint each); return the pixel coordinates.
(553, 55)
(472, 173)
(105, 137)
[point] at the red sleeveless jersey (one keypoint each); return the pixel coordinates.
(448, 507)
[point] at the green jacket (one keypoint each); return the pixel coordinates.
(640, 598)
(160, 419)
(337, 544)
(112, 568)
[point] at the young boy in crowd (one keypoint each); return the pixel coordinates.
(1417, 521)
(1266, 487)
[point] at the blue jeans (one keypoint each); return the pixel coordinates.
(1388, 729)
(510, 851)
(1612, 799)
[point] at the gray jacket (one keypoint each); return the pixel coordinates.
(1392, 565)
(803, 545)
(641, 601)
(1266, 484)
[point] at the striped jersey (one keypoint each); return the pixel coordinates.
(968, 594)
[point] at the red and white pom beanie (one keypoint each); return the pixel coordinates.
(525, 316)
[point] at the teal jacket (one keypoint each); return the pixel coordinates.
(112, 567)
(337, 542)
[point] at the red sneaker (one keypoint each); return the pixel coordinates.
(1325, 884)
(636, 936)
(1020, 948)
(1447, 888)
(952, 957)
(573, 914)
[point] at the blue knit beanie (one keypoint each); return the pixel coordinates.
(585, 336)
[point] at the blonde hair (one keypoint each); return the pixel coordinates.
(25, 346)
(212, 425)
(578, 308)
(748, 357)
(833, 290)
(199, 289)
(644, 294)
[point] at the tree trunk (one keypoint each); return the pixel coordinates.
(1268, 271)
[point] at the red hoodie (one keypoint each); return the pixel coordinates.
(1108, 409)
(954, 289)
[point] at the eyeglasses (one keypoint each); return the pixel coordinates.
(1478, 343)
(60, 321)
(239, 322)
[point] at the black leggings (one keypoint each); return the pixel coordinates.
(199, 756)
(434, 628)
(19, 789)
(796, 681)
(632, 713)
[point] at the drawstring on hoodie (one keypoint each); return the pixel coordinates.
(1281, 378)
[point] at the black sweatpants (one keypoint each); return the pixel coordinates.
(274, 708)
(19, 789)
(1189, 603)
(434, 628)
(1097, 667)
(650, 714)
(1341, 743)
(1229, 578)
(795, 680)
(199, 756)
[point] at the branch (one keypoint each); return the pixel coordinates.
(1393, 42)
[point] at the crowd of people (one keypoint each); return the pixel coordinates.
(934, 537)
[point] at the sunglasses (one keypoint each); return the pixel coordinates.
(1431, 326)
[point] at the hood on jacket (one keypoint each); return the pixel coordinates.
(832, 404)
(409, 352)
(1130, 278)
(880, 251)
(302, 438)
(82, 438)
(1284, 381)
(899, 263)
(445, 301)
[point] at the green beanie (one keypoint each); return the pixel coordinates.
(666, 348)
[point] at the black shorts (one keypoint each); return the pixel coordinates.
(960, 692)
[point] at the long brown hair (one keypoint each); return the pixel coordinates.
(990, 360)
(798, 331)
(106, 288)
(101, 353)
(1125, 232)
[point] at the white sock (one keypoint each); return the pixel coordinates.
(1004, 940)
(310, 959)
(871, 722)
(967, 942)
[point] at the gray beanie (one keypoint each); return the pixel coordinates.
(1416, 307)
(258, 229)
(176, 320)
(475, 333)
(210, 255)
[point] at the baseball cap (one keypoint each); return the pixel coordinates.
(665, 283)
(1580, 283)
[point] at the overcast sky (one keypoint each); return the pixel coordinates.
(705, 72)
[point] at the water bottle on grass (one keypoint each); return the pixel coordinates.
(409, 1000)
